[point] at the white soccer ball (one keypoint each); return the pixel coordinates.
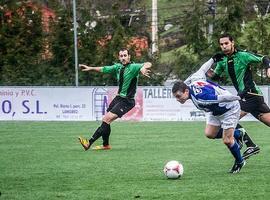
(173, 169)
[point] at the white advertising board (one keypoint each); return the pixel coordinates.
(91, 103)
(160, 105)
(45, 104)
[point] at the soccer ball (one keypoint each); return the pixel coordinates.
(173, 169)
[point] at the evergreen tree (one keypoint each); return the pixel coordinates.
(62, 47)
(99, 45)
(194, 28)
(21, 43)
(196, 39)
(230, 18)
(256, 38)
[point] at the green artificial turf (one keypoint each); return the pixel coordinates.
(43, 160)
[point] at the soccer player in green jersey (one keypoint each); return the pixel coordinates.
(127, 74)
(237, 64)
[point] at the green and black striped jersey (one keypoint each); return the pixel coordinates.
(238, 67)
(127, 77)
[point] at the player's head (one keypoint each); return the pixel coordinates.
(180, 91)
(226, 43)
(124, 56)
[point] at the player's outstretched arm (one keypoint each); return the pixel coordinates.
(200, 74)
(207, 65)
(85, 68)
(227, 98)
(145, 70)
(205, 98)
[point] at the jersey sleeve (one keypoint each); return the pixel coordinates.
(201, 73)
(207, 94)
(219, 68)
(109, 69)
(227, 98)
(253, 58)
(136, 67)
(206, 66)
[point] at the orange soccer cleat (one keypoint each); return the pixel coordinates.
(85, 143)
(101, 147)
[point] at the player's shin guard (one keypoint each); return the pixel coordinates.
(235, 150)
(106, 133)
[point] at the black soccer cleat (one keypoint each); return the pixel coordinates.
(250, 151)
(237, 167)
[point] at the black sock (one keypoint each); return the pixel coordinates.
(246, 138)
(238, 126)
(96, 135)
(104, 131)
(106, 134)
(248, 141)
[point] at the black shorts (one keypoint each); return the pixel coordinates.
(254, 105)
(121, 106)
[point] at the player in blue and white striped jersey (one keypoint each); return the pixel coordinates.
(240, 133)
(222, 107)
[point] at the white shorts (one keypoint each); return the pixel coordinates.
(227, 120)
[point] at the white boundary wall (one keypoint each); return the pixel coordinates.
(90, 103)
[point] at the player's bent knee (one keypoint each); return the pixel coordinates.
(242, 114)
(209, 135)
(228, 141)
(109, 117)
(265, 118)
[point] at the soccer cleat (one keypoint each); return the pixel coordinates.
(237, 167)
(250, 151)
(101, 147)
(85, 143)
(240, 140)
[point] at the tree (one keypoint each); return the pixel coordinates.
(21, 43)
(99, 45)
(256, 38)
(230, 18)
(62, 47)
(196, 38)
(194, 28)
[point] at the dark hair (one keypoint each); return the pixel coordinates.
(124, 49)
(179, 86)
(224, 35)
